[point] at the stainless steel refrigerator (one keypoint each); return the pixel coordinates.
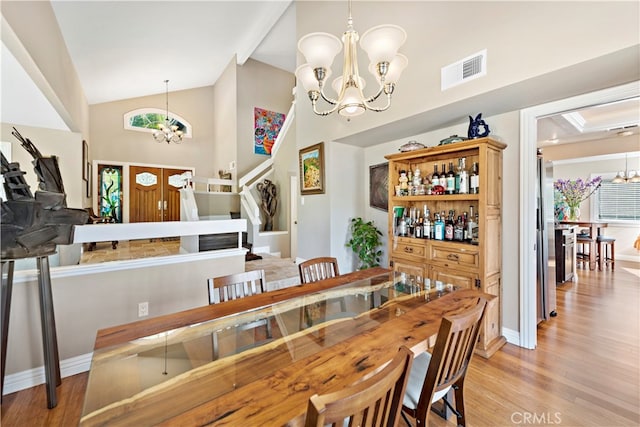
(545, 242)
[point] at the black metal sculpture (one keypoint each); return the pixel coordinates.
(32, 227)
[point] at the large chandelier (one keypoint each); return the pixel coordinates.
(381, 43)
(168, 132)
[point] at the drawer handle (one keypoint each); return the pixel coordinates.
(408, 249)
(452, 257)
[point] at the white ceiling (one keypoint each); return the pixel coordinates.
(126, 49)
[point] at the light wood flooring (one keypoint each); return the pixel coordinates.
(585, 371)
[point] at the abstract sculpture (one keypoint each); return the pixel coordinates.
(269, 202)
(33, 226)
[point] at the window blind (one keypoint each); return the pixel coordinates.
(619, 202)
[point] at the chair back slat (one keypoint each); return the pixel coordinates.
(317, 269)
(375, 401)
(236, 286)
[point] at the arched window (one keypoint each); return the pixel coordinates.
(148, 119)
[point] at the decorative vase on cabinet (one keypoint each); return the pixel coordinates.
(470, 257)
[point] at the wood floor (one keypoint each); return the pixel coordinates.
(585, 371)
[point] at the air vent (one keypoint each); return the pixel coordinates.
(466, 69)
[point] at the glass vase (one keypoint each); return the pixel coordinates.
(574, 213)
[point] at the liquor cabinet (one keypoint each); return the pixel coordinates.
(476, 261)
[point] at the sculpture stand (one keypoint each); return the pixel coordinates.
(47, 318)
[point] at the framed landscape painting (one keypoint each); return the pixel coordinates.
(312, 169)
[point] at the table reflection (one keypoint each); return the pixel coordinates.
(301, 327)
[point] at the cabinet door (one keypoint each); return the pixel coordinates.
(463, 279)
(412, 269)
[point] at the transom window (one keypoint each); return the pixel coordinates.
(148, 119)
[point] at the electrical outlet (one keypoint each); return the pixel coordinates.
(143, 309)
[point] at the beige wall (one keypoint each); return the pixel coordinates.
(525, 41)
(518, 36)
(109, 141)
(91, 298)
(224, 120)
(262, 86)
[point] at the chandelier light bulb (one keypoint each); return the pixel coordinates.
(381, 43)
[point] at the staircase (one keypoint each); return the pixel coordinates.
(249, 197)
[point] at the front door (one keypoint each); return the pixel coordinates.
(154, 194)
(172, 183)
(145, 194)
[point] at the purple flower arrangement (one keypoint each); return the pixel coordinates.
(575, 191)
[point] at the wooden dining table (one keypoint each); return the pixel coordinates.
(594, 231)
(161, 371)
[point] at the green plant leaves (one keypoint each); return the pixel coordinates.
(365, 241)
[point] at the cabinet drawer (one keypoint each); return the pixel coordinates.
(410, 250)
(459, 278)
(451, 256)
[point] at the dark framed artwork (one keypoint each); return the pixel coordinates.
(88, 180)
(379, 186)
(312, 169)
(85, 160)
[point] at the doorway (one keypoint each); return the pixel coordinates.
(293, 216)
(528, 151)
(154, 194)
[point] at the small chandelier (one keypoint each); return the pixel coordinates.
(381, 44)
(626, 176)
(168, 132)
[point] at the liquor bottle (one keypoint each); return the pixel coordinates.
(465, 230)
(438, 228)
(427, 227)
(463, 177)
(474, 180)
(458, 230)
(448, 227)
(457, 175)
(471, 224)
(451, 180)
(435, 178)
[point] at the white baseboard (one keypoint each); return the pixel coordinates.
(623, 257)
(33, 377)
(261, 249)
(513, 337)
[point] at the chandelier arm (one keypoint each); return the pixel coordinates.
(379, 109)
(325, 112)
(376, 96)
(326, 98)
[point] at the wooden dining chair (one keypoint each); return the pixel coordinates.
(375, 401)
(235, 286)
(313, 270)
(433, 375)
(319, 268)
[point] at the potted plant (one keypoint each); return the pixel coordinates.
(365, 241)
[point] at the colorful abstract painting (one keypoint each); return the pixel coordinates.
(267, 125)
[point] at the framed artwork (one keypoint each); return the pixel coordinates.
(85, 160)
(266, 127)
(312, 169)
(379, 186)
(88, 180)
